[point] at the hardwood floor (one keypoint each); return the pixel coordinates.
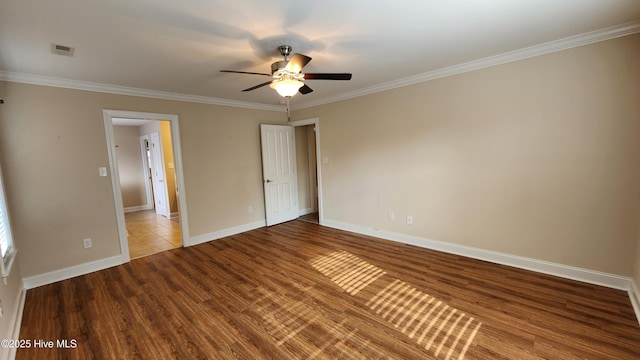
(312, 218)
(149, 233)
(302, 291)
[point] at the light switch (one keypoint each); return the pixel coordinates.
(325, 159)
(102, 171)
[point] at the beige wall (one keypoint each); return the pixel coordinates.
(538, 158)
(130, 169)
(52, 141)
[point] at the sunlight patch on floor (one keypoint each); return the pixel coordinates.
(441, 329)
(347, 270)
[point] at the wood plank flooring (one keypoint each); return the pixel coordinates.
(312, 218)
(302, 291)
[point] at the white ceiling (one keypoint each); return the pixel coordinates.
(178, 47)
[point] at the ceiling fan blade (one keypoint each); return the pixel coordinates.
(258, 86)
(244, 72)
(305, 89)
(327, 76)
(297, 62)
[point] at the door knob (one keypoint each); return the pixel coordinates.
(268, 181)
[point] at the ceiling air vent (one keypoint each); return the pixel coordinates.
(62, 50)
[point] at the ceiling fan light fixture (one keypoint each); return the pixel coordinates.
(288, 78)
(286, 87)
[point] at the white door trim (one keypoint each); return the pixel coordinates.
(108, 115)
(316, 123)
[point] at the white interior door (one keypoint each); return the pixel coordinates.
(279, 173)
(145, 149)
(157, 176)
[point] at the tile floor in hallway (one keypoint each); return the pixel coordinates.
(149, 233)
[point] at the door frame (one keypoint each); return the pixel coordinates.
(316, 123)
(108, 115)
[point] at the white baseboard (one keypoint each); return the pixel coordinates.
(137, 208)
(70, 272)
(306, 211)
(564, 271)
(195, 240)
(82, 269)
(545, 267)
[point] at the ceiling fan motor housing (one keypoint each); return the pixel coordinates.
(278, 65)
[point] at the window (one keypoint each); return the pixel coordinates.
(7, 250)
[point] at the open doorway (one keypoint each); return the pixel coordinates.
(146, 177)
(144, 156)
(309, 170)
(307, 178)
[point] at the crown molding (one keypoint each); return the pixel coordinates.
(591, 37)
(131, 91)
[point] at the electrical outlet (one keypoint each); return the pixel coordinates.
(409, 220)
(250, 209)
(87, 243)
(392, 216)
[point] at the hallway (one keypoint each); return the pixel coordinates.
(149, 233)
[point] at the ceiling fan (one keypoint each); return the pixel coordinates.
(288, 78)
